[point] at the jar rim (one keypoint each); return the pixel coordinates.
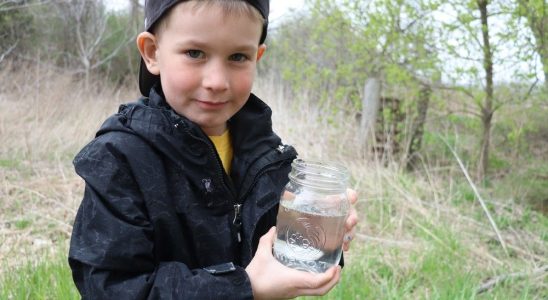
(325, 176)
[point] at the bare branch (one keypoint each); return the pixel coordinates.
(8, 51)
(8, 5)
(542, 271)
(426, 82)
(480, 199)
(113, 53)
(466, 111)
(531, 89)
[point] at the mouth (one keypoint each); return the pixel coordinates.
(207, 104)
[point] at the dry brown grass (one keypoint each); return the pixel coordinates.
(46, 117)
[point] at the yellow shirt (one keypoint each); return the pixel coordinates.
(224, 149)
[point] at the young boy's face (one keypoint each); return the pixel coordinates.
(206, 60)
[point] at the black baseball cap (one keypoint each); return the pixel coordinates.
(155, 9)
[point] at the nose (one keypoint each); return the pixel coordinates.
(215, 76)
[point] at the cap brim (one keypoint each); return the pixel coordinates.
(146, 79)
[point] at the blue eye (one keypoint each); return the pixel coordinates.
(196, 54)
(239, 57)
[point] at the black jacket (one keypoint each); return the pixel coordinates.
(159, 215)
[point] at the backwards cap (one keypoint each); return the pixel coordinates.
(155, 9)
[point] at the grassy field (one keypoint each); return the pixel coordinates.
(422, 235)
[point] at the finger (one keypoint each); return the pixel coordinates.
(312, 281)
(346, 246)
(270, 236)
(335, 276)
(288, 196)
(352, 196)
(347, 239)
(351, 220)
(267, 241)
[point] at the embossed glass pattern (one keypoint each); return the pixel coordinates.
(311, 217)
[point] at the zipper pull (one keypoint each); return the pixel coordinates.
(237, 222)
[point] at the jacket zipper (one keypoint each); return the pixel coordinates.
(213, 152)
(237, 221)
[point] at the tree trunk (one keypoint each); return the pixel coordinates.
(546, 76)
(418, 127)
(542, 42)
(487, 106)
(538, 22)
(370, 107)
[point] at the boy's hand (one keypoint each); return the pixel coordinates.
(272, 280)
(351, 220)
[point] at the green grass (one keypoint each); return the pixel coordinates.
(427, 275)
(375, 273)
(22, 224)
(8, 163)
(47, 278)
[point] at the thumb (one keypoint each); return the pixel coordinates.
(267, 241)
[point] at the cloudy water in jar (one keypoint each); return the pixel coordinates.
(308, 239)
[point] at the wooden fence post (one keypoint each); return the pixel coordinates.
(370, 108)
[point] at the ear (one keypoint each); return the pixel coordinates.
(148, 45)
(260, 51)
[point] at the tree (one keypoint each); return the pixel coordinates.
(78, 35)
(15, 26)
(339, 45)
(124, 27)
(484, 40)
(536, 14)
(90, 24)
(487, 109)
(469, 43)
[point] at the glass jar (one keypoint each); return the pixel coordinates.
(311, 216)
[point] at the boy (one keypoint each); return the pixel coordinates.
(182, 188)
